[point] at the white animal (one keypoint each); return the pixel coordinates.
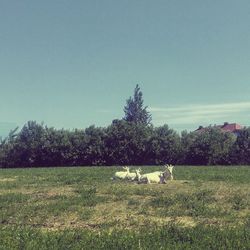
(149, 178)
(170, 169)
(139, 177)
(121, 174)
(167, 173)
(132, 176)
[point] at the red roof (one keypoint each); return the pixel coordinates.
(227, 127)
(231, 127)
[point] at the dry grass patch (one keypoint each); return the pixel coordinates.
(7, 179)
(63, 190)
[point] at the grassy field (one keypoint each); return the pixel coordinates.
(81, 208)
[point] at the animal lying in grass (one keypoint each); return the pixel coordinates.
(167, 173)
(150, 177)
(125, 175)
(122, 175)
(131, 176)
(156, 177)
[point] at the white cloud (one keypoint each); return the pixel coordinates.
(200, 113)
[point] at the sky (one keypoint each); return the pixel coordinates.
(72, 64)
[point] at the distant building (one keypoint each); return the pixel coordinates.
(226, 127)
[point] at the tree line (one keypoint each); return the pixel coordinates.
(132, 140)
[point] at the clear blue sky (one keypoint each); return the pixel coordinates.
(74, 63)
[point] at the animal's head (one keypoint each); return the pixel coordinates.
(169, 167)
(138, 171)
(126, 168)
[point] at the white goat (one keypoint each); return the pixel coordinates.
(149, 178)
(132, 176)
(167, 173)
(139, 176)
(121, 174)
(170, 169)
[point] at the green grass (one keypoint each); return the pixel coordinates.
(167, 237)
(75, 208)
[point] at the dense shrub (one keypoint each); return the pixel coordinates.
(122, 143)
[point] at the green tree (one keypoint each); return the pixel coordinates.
(210, 147)
(135, 111)
(24, 149)
(94, 146)
(56, 148)
(163, 146)
(187, 140)
(7, 147)
(126, 143)
(240, 153)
